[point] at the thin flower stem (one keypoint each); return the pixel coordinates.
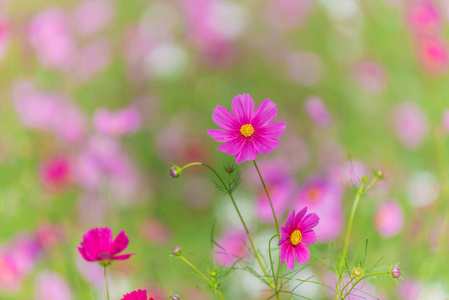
(271, 260)
(203, 276)
(276, 222)
(106, 283)
(269, 198)
(239, 214)
(360, 191)
(360, 279)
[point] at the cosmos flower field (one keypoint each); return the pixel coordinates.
(222, 149)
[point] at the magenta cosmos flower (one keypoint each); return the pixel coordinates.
(97, 245)
(136, 295)
(246, 133)
(296, 235)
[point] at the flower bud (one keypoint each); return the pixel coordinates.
(175, 171)
(213, 273)
(176, 251)
(364, 179)
(357, 272)
(395, 272)
(229, 169)
(174, 297)
(379, 174)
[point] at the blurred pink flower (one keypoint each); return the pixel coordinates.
(363, 290)
(93, 59)
(137, 44)
(248, 133)
(92, 273)
(26, 250)
(213, 26)
(136, 295)
(10, 277)
(92, 16)
(389, 219)
(423, 17)
(56, 172)
(446, 119)
(4, 36)
(51, 37)
(117, 123)
(287, 14)
(410, 124)
(371, 76)
(296, 235)
(232, 247)
(324, 198)
(409, 289)
(97, 245)
(317, 111)
(49, 235)
(51, 286)
(49, 112)
(433, 54)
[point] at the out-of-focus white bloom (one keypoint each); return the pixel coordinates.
(422, 189)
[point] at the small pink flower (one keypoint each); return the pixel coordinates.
(55, 172)
(136, 295)
(248, 133)
(51, 286)
(389, 218)
(296, 235)
(446, 120)
(433, 54)
(411, 124)
(318, 112)
(92, 16)
(371, 76)
(97, 245)
(423, 17)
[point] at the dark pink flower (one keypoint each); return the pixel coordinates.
(55, 172)
(296, 235)
(136, 295)
(248, 133)
(97, 245)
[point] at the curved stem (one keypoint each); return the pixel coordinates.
(360, 279)
(106, 283)
(239, 214)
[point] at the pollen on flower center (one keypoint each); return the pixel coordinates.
(247, 130)
(295, 237)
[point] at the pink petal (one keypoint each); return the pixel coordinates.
(265, 146)
(84, 255)
(289, 222)
(283, 251)
(274, 130)
(302, 253)
(122, 257)
(308, 238)
(265, 113)
(290, 257)
(232, 147)
(222, 135)
(310, 221)
(224, 119)
(248, 152)
(243, 108)
(120, 243)
(282, 240)
(299, 217)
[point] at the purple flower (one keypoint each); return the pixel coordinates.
(296, 235)
(248, 133)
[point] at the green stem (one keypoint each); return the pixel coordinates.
(269, 198)
(239, 214)
(360, 279)
(106, 283)
(202, 275)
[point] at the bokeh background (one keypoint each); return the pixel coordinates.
(99, 96)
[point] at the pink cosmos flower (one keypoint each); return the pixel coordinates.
(97, 245)
(248, 133)
(55, 172)
(296, 235)
(410, 124)
(389, 218)
(136, 295)
(423, 17)
(92, 16)
(433, 54)
(371, 76)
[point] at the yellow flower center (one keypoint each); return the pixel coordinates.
(357, 272)
(247, 130)
(295, 237)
